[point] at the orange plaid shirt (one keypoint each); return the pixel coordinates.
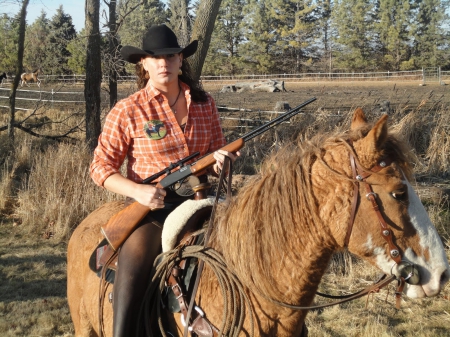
(124, 136)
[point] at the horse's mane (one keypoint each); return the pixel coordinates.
(274, 219)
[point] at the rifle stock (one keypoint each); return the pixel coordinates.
(121, 225)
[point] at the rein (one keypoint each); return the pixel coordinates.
(407, 270)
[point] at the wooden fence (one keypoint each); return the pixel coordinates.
(424, 75)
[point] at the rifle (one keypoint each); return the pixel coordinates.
(122, 224)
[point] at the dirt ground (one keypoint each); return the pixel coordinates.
(332, 97)
(341, 97)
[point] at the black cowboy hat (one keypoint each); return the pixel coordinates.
(159, 40)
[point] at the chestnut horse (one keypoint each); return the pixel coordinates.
(27, 77)
(277, 235)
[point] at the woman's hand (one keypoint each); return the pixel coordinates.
(220, 155)
(147, 195)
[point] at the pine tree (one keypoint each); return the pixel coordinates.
(180, 21)
(134, 24)
(77, 49)
(324, 25)
(223, 55)
(393, 28)
(298, 30)
(354, 43)
(430, 35)
(62, 31)
(36, 43)
(261, 34)
(9, 35)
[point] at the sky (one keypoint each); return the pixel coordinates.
(75, 8)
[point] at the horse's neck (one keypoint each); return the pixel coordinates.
(333, 191)
(299, 282)
(279, 250)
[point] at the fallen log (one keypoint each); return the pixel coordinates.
(265, 86)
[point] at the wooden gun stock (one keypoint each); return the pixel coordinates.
(120, 226)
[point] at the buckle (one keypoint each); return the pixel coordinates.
(199, 311)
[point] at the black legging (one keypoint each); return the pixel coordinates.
(136, 257)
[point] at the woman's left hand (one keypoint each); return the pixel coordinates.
(220, 155)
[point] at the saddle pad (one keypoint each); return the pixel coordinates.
(178, 218)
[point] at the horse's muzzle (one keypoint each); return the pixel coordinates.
(408, 271)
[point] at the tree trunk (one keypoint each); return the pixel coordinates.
(19, 69)
(92, 84)
(113, 49)
(202, 31)
(184, 29)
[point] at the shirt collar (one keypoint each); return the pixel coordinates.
(153, 92)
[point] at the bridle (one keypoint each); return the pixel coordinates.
(408, 272)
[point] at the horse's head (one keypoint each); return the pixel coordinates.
(391, 227)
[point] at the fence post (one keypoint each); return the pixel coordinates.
(423, 75)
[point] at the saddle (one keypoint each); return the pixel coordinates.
(178, 227)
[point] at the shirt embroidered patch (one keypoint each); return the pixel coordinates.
(155, 129)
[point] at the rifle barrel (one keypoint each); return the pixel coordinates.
(276, 121)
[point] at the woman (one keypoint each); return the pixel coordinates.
(169, 118)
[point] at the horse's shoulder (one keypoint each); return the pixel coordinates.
(106, 210)
(92, 223)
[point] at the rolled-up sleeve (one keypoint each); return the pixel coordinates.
(112, 146)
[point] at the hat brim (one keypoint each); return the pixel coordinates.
(133, 55)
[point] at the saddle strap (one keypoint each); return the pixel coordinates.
(200, 324)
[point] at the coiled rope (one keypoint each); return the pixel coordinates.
(235, 300)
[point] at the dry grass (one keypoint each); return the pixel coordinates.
(59, 192)
(32, 285)
(45, 191)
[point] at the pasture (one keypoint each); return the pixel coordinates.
(53, 191)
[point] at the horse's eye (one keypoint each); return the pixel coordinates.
(400, 194)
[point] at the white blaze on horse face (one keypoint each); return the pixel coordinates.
(433, 264)
(433, 267)
(381, 259)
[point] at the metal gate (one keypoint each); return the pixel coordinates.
(431, 75)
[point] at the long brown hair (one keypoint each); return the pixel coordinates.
(198, 94)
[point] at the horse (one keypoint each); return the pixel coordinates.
(27, 77)
(339, 190)
(3, 77)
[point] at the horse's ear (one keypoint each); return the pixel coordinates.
(377, 136)
(358, 120)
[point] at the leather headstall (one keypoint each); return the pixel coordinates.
(360, 175)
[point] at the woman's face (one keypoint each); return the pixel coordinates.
(163, 69)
